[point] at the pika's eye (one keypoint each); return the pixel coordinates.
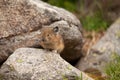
(56, 29)
(48, 35)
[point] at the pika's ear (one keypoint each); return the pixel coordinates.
(56, 29)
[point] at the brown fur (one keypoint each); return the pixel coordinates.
(51, 39)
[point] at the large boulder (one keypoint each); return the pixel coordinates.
(22, 20)
(38, 64)
(104, 51)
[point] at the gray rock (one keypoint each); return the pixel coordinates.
(38, 64)
(22, 20)
(104, 51)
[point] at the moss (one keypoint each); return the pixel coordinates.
(11, 67)
(73, 77)
(19, 60)
(69, 67)
(1, 77)
(64, 77)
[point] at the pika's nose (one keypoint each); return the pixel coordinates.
(43, 40)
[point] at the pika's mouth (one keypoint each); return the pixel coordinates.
(36, 46)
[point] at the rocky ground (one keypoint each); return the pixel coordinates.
(38, 64)
(21, 22)
(102, 52)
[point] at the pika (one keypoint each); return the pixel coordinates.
(51, 39)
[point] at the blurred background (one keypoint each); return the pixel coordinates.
(95, 16)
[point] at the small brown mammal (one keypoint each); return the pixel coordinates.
(51, 39)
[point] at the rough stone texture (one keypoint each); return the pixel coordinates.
(38, 64)
(104, 51)
(21, 21)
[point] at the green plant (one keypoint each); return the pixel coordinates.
(113, 69)
(90, 22)
(94, 22)
(67, 4)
